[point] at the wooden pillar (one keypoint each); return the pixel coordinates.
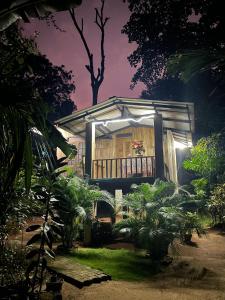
(89, 148)
(159, 161)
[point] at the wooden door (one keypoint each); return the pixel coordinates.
(123, 147)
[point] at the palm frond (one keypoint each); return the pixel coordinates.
(192, 62)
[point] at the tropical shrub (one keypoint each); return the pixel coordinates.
(13, 265)
(191, 223)
(129, 228)
(200, 187)
(159, 213)
(216, 204)
(76, 207)
(44, 192)
(23, 114)
(207, 158)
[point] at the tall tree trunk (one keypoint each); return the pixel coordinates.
(95, 95)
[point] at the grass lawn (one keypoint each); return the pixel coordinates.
(121, 264)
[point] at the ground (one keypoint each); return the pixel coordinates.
(198, 272)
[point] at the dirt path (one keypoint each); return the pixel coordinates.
(196, 273)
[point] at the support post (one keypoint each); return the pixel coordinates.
(89, 148)
(159, 160)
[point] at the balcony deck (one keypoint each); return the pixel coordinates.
(123, 167)
(120, 173)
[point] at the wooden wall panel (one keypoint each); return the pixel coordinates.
(121, 146)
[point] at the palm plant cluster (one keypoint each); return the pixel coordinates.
(158, 214)
(76, 208)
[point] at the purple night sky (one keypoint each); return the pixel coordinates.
(66, 48)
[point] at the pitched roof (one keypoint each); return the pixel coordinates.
(177, 116)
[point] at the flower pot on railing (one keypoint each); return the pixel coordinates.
(139, 154)
(138, 147)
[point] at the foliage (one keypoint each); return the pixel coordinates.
(78, 199)
(191, 223)
(129, 228)
(16, 10)
(216, 204)
(45, 193)
(24, 132)
(179, 29)
(159, 213)
(192, 62)
(161, 28)
(54, 85)
(189, 66)
(207, 158)
(24, 136)
(22, 63)
(121, 264)
(25, 205)
(203, 90)
(23, 118)
(12, 264)
(101, 233)
(200, 187)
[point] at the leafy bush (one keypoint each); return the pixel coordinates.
(101, 233)
(13, 264)
(159, 213)
(191, 223)
(207, 158)
(78, 199)
(216, 204)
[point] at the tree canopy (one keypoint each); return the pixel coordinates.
(53, 83)
(23, 113)
(162, 28)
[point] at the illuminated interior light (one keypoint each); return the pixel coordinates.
(105, 123)
(179, 145)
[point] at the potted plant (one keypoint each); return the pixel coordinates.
(191, 223)
(54, 284)
(138, 147)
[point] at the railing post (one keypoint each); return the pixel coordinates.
(158, 132)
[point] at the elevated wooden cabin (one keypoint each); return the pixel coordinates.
(104, 135)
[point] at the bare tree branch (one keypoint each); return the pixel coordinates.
(100, 21)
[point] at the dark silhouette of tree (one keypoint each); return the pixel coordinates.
(100, 21)
(194, 62)
(209, 102)
(12, 10)
(163, 28)
(24, 92)
(52, 83)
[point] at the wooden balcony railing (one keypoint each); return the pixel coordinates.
(143, 166)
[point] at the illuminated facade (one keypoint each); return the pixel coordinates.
(123, 141)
